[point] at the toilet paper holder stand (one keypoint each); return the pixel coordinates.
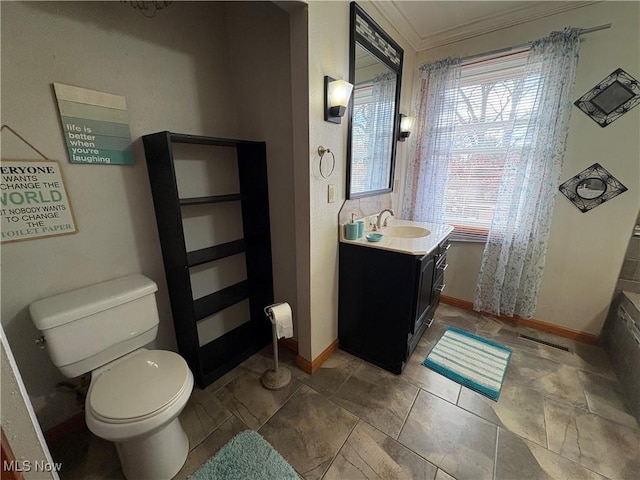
(279, 377)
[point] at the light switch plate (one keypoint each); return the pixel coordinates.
(331, 193)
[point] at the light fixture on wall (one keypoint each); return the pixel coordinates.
(406, 125)
(336, 98)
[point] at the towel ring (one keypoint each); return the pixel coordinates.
(322, 151)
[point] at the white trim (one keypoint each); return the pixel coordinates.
(16, 428)
(390, 11)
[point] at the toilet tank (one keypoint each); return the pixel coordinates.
(89, 327)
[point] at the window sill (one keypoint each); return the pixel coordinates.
(469, 234)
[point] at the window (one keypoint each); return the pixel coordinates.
(372, 132)
(362, 99)
(492, 108)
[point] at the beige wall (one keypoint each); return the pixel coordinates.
(262, 89)
(178, 72)
(586, 250)
(329, 55)
(299, 41)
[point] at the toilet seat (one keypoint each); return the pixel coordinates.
(138, 387)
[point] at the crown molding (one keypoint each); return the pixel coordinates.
(481, 26)
(390, 11)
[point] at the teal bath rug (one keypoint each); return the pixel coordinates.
(472, 361)
(246, 456)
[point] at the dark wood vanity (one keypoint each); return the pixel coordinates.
(388, 291)
(387, 299)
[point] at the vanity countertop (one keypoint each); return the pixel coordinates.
(410, 246)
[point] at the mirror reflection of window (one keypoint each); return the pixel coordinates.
(374, 105)
(360, 132)
(590, 188)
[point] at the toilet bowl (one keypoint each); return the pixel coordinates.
(135, 402)
(135, 394)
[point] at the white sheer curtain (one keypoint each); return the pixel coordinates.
(383, 101)
(533, 120)
(428, 167)
(515, 251)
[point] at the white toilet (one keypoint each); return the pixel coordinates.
(135, 394)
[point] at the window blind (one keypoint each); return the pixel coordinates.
(361, 126)
(492, 107)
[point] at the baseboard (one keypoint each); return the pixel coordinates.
(289, 343)
(62, 430)
(578, 336)
(310, 367)
(9, 465)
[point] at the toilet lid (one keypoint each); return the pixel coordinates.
(139, 385)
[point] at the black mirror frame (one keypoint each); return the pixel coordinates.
(356, 37)
(613, 188)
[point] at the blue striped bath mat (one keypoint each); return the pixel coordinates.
(472, 361)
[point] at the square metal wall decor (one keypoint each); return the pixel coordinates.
(592, 187)
(611, 98)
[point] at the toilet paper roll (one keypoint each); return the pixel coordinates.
(282, 318)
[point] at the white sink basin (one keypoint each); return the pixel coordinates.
(405, 231)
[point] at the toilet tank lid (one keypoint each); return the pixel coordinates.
(66, 307)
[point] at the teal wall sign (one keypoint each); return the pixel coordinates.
(95, 125)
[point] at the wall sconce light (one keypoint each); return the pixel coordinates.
(336, 98)
(406, 125)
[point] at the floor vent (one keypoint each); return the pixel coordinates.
(544, 342)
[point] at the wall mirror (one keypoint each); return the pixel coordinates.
(375, 70)
(592, 187)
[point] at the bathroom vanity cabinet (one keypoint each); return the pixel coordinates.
(212, 210)
(387, 299)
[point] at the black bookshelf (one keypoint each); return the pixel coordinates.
(212, 360)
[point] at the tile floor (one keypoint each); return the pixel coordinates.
(560, 415)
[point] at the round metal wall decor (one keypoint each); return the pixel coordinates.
(592, 187)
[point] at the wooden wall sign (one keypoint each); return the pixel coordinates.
(33, 201)
(96, 126)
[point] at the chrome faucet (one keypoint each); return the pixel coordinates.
(379, 223)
